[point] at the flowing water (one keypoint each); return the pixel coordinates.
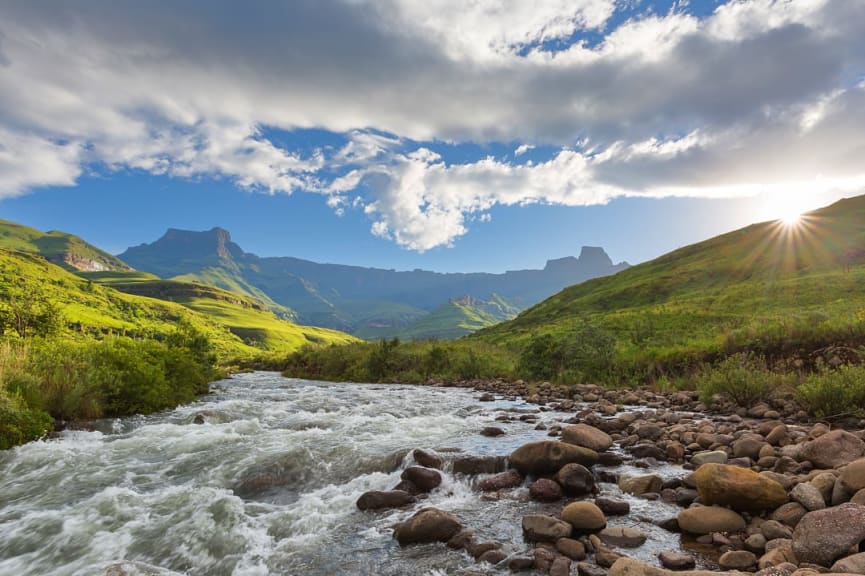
(261, 477)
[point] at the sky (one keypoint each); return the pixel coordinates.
(446, 135)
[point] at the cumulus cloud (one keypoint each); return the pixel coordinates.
(760, 94)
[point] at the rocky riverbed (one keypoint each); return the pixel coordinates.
(758, 490)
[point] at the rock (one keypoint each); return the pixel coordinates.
(859, 497)
(589, 569)
(853, 476)
(789, 514)
(756, 543)
(612, 506)
(606, 557)
(478, 549)
(543, 560)
(520, 563)
(781, 554)
(823, 536)
(545, 490)
(677, 560)
(377, 500)
(134, 568)
(648, 451)
(708, 519)
(773, 530)
(561, 566)
(427, 459)
(778, 436)
(631, 567)
(587, 437)
(492, 431)
(709, 457)
(584, 516)
(472, 465)
(622, 537)
(737, 560)
(833, 449)
(461, 539)
(573, 549)
(540, 527)
(748, 446)
(549, 456)
(854, 564)
(427, 525)
(576, 480)
(492, 556)
(501, 481)
(808, 496)
(425, 479)
(739, 488)
(639, 485)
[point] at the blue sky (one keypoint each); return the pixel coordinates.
(444, 135)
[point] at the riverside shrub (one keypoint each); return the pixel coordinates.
(833, 392)
(744, 379)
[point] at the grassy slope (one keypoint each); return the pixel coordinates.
(759, 282)
(94, 309)
(234, 282)
(56, 247)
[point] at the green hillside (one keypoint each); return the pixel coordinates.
(457, 318)
(783, 291)
(66, 250)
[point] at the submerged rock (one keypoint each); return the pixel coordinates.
(501, 481)
(541, 527)
(381, 500)
(427, 525)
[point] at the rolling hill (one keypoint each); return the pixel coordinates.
(361, 301)
(781, 290)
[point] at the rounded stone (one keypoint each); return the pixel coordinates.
(739, 488)
(708, 519)
(584, 516)
(587, 436)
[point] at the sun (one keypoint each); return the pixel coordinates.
(791, 216)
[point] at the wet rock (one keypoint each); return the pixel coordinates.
(543, 560)
(575, 480)
(492, 432)
(520, 563)
(492, 556)
(461, 539)
(584, 516)
(545, 490)
(737, 560)
(739, 488)
(708, 519)
(427, 459)
(639, 485)
(623, 537)
(501, 481)
(606, 557)
(648, 451)
(549, 456)
(543, 528)
(612, 506)
(423, 479)
(587, 437)
(854, 564)
(588, 569)
(808, 496)
(709, 457)
(471, 465)
(378, 500)
(573, 549)
(427, 525)
(134, 568)
(833, 449)
(561, 566)
(823, 536)
(853, 476)
(610, 459)
(677, 560)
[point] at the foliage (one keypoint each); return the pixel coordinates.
(832, 392)
(28, 311)
(585, 352)
(741, 378)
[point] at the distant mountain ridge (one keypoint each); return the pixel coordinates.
(351, 298)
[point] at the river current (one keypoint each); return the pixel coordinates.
(259, 477)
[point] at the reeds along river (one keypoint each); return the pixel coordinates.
(259, 477)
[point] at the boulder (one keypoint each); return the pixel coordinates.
(540, 527)
(833, 449)
(545, 490)
(584, 516)
(631, 567)
(854, 564)
(576, 480)
(587, 437)
(377, 500)
(501, 481)
(638, 485)
(424, 479)
(823, 536)
(549, 456)
(426, 458)
(853, 476)
(623, 537)
(427, 525)
(708, 519)
(739, 488)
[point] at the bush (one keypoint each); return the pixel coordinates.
(20, 424)
(585, 353)
(834, 392)
(741, 378)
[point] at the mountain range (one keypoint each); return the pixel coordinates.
(366, 302)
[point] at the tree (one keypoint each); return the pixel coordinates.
(29, 312)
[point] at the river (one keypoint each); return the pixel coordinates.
(261, 477)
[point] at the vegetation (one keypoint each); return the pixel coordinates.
(745, 379)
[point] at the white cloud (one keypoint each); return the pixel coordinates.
(522, 149)
(28, 161)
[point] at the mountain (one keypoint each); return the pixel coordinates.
(778, 289)
(66, 250)
(351, 298)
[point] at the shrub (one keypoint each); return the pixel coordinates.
(741, 378)
(834, 392)
(584, 353)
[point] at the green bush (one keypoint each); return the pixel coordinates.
(20, 424)
(742, 378)
(584, 353)
(834, 392)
